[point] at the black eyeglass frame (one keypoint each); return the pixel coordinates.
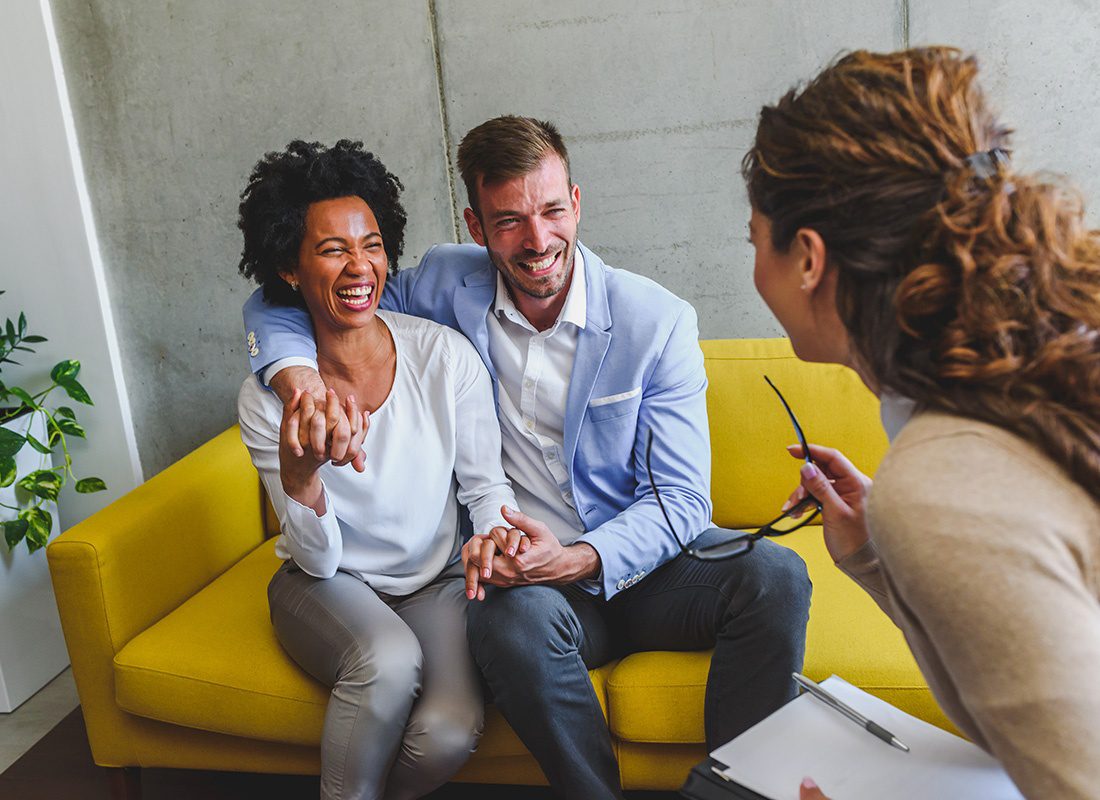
(742, 542)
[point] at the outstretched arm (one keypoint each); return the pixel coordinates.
(280, 338)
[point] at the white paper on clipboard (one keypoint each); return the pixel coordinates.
(806, 738)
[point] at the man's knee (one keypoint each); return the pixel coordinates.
(521, 620)
(783, 581)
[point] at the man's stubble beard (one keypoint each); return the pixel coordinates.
(562, 278)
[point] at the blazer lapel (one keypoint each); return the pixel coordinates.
(472, 302)
(592, 345)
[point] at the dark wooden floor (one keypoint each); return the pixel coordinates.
(59, 767)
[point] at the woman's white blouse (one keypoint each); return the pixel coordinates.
(434, 442)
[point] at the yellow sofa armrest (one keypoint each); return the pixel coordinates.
(129, 565)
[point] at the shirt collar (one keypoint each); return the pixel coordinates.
(575, 309)
(895, 410)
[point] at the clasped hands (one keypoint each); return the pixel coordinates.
(525, 553)
(312, 433)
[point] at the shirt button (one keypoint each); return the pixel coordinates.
(530, 424)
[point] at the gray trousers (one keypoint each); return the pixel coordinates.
(406, 708)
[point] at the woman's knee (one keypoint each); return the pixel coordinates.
(389, 664)
(441, 737)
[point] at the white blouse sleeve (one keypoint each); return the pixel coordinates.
(313, 542)
(483, 487)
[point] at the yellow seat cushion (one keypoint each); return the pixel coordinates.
(657, 697)
(215, 664)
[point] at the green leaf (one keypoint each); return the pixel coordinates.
(34, 339)
(37, 445)
(71, 427)
(77, 392)
(54, 433)
(65, 411)
(89, 485)
(11, 331)
(23, 395)
(22, 323)
(7, 471)
(64, 371)
(14, 531)
(39, 523)
(10, 443)
(44, 483)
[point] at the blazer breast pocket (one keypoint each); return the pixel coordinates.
(615, 405)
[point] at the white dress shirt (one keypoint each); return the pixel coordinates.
(396, 525)
(533, 372)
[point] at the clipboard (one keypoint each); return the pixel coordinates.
(703, 783)
(807, 738)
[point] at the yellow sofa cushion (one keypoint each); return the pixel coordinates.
(215, 664)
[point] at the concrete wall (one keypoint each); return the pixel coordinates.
(175, 100)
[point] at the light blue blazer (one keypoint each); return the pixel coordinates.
(638, 368)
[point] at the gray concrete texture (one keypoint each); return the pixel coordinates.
(175, 101)
(1039, 64)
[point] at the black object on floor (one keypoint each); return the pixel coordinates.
(60, 767)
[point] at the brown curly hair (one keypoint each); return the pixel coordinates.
(973, 292)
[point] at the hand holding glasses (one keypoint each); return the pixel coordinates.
(738, 543)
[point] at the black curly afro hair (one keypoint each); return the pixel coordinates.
(281, 189)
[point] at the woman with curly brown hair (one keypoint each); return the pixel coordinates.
(892, 235)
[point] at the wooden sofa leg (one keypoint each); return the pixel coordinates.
(125, 782)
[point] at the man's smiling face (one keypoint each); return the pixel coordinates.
(529, 226)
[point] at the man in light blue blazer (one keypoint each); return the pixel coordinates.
(587, 362)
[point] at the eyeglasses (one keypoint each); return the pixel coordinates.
(738, 543)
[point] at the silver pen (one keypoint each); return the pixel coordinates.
(845, 709)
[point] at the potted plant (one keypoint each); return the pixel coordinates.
(32, 428)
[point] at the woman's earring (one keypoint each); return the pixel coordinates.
(294, 285)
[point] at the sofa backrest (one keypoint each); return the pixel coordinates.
(751, 472)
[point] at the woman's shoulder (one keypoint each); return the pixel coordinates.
(946, 447)
(424, 341)
(952, 473)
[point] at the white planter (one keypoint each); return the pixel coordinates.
(32, 649)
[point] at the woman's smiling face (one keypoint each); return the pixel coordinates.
(342, 263)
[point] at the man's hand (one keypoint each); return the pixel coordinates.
(539, 557)
(306, 379)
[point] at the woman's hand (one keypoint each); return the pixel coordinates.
(810, 790)
(842, 491)
(481, 549)
(312, 434)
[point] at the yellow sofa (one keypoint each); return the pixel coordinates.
(162, 598)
